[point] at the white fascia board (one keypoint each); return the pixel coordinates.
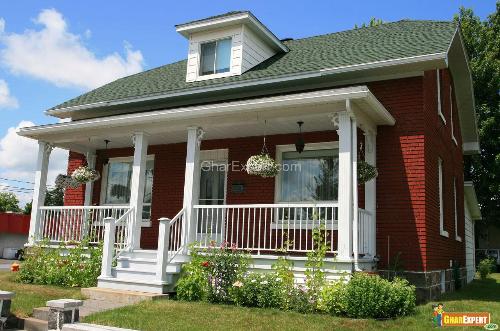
(316, 97)
(471, 200)
(253, 82)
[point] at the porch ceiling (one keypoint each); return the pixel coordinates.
(221, 120)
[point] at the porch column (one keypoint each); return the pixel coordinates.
(40, 188)
(354, 173)
(191, 183)
(137, 181)
(345, 188)
(91, 157)
(371, 189)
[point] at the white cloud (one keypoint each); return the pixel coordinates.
(6, 99)
(18, 160)
(56, 55)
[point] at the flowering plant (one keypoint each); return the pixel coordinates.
(262, 165)
(84, 174)
(366, 172)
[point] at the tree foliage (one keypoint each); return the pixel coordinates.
(9, 202)
(482, 41)
(373, 22)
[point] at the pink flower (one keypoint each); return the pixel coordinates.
(238, 284)
(233, 247)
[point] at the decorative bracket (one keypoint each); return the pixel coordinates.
(200, 133)
(48, 148)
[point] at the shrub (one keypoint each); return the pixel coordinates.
(333, 298)
(486, 266)
(369, 296)
(211, 273)
(258, 290)
(193, 284)
(315, 276)
(77, 266)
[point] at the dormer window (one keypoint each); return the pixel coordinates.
(215, 57)
(227, 45)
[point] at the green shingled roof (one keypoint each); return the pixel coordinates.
(384, 42)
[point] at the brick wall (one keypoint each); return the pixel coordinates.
(75, 196)
(439, 144)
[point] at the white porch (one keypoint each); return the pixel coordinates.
(261, 229)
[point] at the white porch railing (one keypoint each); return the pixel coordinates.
(67, 224)
(267, 227)
(170, 242)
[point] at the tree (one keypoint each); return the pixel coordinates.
(54, 197)
(27, 208)
(9, 202)
(373, 22)
(482, 41)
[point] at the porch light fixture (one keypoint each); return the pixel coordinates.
(300, 144)
(105, 159)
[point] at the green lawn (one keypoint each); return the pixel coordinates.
(31, 296)
(177, 315)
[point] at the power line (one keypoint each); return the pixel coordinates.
(17, 180)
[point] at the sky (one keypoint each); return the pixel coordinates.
(51, 51)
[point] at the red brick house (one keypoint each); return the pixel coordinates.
(171, 144)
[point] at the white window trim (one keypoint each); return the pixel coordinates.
(280, 149)
(451, 117)
(104, 182)
(199, 76)
(438, 81)
(457, 237)
(442, 231)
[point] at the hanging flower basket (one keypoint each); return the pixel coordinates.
(262, 165)
(64, 181)
(366, 172)
(84, 175)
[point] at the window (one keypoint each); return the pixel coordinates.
(438, 82)
(117, 184)
(441, 209)
(309, 176)
(455, 210)
(451, 117)
(215, 57)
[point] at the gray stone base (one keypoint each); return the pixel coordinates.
(428, 283)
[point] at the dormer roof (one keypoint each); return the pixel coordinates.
(228, 19)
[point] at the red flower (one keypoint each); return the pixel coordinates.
(205, 264)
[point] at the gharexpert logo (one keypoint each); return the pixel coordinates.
(442, 318)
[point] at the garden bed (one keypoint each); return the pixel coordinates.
(480, 295)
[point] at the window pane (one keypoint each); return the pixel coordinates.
(309, 176)
(118, 183)
(223, 58)
(207, 58)
(148, 186)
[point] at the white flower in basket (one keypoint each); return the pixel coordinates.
(262, 165)
(366, 172)
(84, 174)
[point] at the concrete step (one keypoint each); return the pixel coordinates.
(120, 296)
(35, 324)
(41, 313)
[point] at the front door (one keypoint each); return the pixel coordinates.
(212, 192)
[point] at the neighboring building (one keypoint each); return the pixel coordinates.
(398, 95)
(14, 230)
